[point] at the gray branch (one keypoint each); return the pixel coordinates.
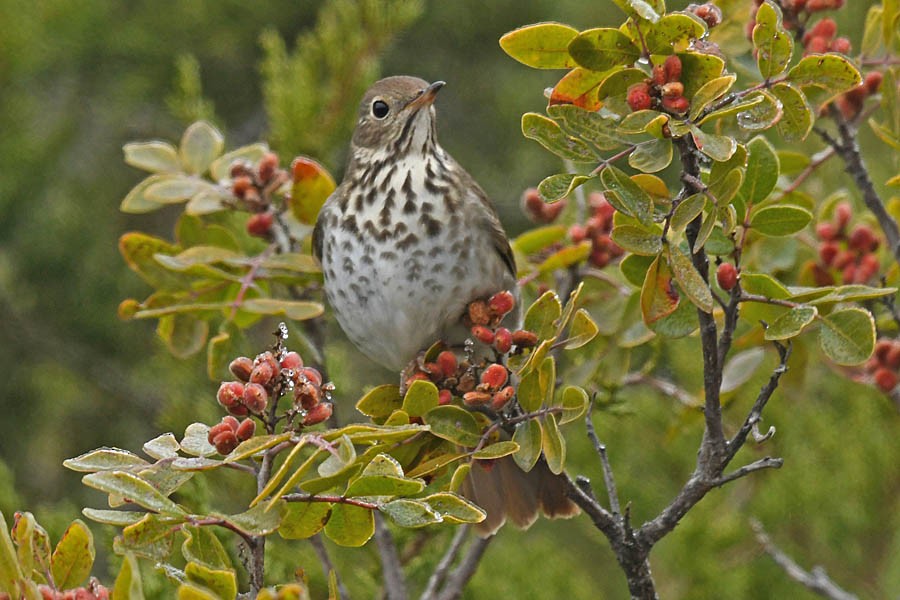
(394, 582)
(443, 566)
(458, 579)
(318, 545)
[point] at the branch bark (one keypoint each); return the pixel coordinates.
(394, 582)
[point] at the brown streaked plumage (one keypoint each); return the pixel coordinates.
(406, 242)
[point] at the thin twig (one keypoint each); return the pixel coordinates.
(460, 576)
(600, 448)
(394, 582)
(299, 497)
(816, 580)
(764, 463)
(321, 551)
(443, 566)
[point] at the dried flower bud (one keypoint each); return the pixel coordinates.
(524, 338)
(448, 363)
(483, 334)
(476, 398)
(230, 393)
(255, 397)
(479, 313)
(501, 398)
(318, 413)
(502, 340)
(245, 430)
(495, 376)
(501, 303)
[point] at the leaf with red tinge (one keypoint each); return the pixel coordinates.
(659, 297)
(73, 557)
(579, 87)
(312, 186)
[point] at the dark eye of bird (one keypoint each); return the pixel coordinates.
(380, 109)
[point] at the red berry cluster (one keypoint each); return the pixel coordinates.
(93, 591)
(229, 432)
(663, 90)
(820, 39)
(850, 103)
(539, 211)
(884, 364)
(253, 187)
(852, 255)
(709, 12)
(795, 13)
(597, 229)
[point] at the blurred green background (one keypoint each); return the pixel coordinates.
(79, 78)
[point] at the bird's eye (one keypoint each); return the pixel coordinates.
(380, 109)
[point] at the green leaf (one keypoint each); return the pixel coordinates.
(200, 145)
(762, 172)
(644, 121)
(683, 321)
(104, 459)
(380, 402)
(541, 46)
(410, 513)
(528, 436)
(256, 444)
(298, 310)
(697, 69)
(542, 315)
(312, 186)
(73, 556)
(535, 240)
(497, 450)
(303, 520)
(762, 115)
(529, 393)
(162, 447)
(780, 220)
(797, 115)
(135, 489)
(763, 285)
(120, 518)
(192, 591)
(434, 464)
(174, 189)
(259, 520)
(582, 330)
(854, 293)
(659, 297)
(421, 397)
(651, 156)
(717, 147)
(733, 108)
(557, 187)
(453, 508)
(590, 126)
(202, 546)
(136, 201)
(602, 49)
(343, 455)
(384, 464)
(459, 476)
(740, 368)
(350, 526)
(249, 155)
(686, 211)
(183, 334)
(128, 581)
(577, 89)
(689, 280)
(565, 257)
(223, 582)
(453, 424)
(574, 401)
(831, 72)
(548, 134)
(384, 485)
(848, 336)
(791, 323)
(154, 156)
(195, 440)
(709, 92)
(616, 85)
(774, 46)
(151, 537)
(673, 29)
(10, 573)
(637, 239)
(553, 444)
(630, 198)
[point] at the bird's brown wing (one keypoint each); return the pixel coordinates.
(492, 224)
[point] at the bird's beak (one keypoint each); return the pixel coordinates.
(426, 97)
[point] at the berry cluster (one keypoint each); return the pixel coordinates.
(820, 39)
(884, 364)
(597, 229)
(483, 384)
(709, 12)
(93, 591)
(230, 432)
(537, 210)
(253, 187)
(850, 103)
(852, 255)
(663, 90)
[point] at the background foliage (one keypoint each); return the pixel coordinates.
(81, 78)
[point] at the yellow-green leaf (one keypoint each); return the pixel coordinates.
(542, 45)
(553, 444)
(73, 556)
(200, 145)
(312, 186)
(153, 156)
(848, 336)
(304, 519)
(350, 526)
(658, 294)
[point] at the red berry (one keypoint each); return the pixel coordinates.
(231, 422)
(825, 28)
(255, 397)
(577, 233)
(599, 258)
(502, 397)
(448, 363)
(246, 430)
(476, 398)
(892, 359)
(821, 276)
(238, 410)
(827, 252)
(318, 413)
(524, 338)
(240, 185)
(550, 212)
(230, 393)
(885, 379)
(673, 68)
(533, 204)
(726, 275)
(241, 368)
(260, 224)
(816, 45)
(501, 303)
(826, 231)
(307, 395)
(495, 376)
(873, 81)
(215, 430)
(841, 45)
(882, 348)
(842, 214)
(672, 89)
(444, 397)
(311, 375)
(262, 374)
(848, 275)
(479, 313)
(638, 97)
(676, 104)
(267, 165)
(502, 340)
(868, 267)
(709, 12)
(291, 361)
(225, 442)
(843, 258)
(483, 334)
(863, 239)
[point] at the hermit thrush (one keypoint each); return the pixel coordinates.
(406, 242)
